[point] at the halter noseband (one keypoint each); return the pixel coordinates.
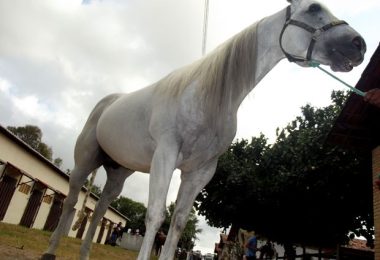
(316, 32)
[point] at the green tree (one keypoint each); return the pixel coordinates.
(190, 232)
(233, 191)
(135, 211)
(300, 190)
(324, 190)
(58, 162)
(32, 135)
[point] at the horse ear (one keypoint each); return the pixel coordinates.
(294, 1)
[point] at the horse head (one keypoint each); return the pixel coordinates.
(311, 33)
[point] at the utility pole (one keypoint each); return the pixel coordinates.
(205, 24)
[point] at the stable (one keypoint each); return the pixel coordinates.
(358, 127)
(32, 190)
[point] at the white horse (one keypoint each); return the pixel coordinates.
(188, 119)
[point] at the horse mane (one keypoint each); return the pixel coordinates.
(225, 72)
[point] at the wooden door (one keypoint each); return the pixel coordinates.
(101, 231)
(7, 189)
(54, 213)
(83, 224)
(32, 208)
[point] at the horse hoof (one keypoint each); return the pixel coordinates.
(48, 257)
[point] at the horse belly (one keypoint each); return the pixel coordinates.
(122, 132)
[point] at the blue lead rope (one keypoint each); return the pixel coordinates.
(357, 91)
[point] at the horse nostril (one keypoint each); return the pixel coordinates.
(359, 43)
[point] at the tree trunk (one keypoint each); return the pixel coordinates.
(232, 235)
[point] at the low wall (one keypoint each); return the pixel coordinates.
(131, 242)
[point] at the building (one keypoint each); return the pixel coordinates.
(358, 127)
(32, 191)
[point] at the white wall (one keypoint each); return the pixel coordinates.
(29, 163)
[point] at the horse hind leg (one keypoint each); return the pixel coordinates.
(113, 187)
(77, 180)
(78, 177)
(88, 156)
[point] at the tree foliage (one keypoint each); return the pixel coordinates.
(228, 197)
(32, 135)
(300, 190)
(190, 232)
(135, 211)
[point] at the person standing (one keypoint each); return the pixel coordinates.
(251, 248)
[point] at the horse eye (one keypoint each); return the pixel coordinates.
(313, 8)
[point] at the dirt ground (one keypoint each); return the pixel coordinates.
(13, 253)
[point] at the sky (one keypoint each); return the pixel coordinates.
(58, 58)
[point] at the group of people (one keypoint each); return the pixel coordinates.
(267, 251)
(117, 233)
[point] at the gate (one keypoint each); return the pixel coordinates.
(33, 206)
(83, 224)
(54, 213)
(7, 188)
(101, 232)
(110, 227)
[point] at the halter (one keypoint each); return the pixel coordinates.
(316, 32)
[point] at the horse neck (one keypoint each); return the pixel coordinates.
(268, 44)
(225, 77)
(268, 52)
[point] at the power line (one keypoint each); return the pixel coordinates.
(205, 23)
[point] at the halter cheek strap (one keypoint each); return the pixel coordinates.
(316, 32)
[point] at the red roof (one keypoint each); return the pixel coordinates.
(359, 244)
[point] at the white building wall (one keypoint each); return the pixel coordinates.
(97, 232)
(42, 215)
(29, 163)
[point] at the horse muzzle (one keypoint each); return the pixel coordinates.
(344, 57)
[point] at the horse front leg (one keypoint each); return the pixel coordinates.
(162, 167)
(191, 184)
(112, 189)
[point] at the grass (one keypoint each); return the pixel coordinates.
(33, 242)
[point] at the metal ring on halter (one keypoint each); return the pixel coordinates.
(315, 31)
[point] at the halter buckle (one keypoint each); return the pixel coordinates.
(317, 33)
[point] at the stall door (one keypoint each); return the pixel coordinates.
(101, 232)
(31, 209)
(54, 213)
(83, 224)
(7, 188)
